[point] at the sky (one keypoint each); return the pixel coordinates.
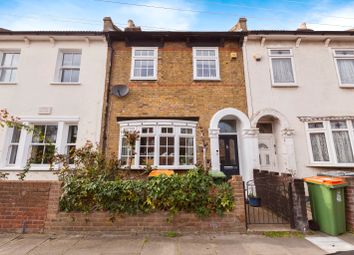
(177, 15)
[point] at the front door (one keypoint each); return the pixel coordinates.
(266, 147)
(229, 155)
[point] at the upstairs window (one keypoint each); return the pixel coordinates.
(8, 66)
(282, 67)
(68, 70)
(206, 63)
(144, 63)
(345, 67)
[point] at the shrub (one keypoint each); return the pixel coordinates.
(194, 191)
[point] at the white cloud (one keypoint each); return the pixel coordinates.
(338, 19)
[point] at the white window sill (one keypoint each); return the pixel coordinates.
(33, 168)
(346, 86)
(284, 85)
(324, 165)
(206, 79)
(8, 83)
(143, 79)
(65, 83)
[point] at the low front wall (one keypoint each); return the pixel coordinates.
(37, 203)
(349, 203)
(24, 204)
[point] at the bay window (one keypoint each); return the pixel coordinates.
(331, 142)
(168, 144)
(39, 144)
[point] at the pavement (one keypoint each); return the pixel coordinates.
(105, 244)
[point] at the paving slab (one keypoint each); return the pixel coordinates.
(5, 238)
(154, 246)
(56, 245)
(22, 244)
(198, 247)
(331, 244)
(107, 245)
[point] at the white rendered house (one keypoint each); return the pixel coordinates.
(54, 82)
(300, 88)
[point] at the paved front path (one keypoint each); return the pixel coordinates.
(230, 244)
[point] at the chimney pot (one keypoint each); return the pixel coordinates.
(241, 25)
(131, 27)
(303, 27)
(108, 25)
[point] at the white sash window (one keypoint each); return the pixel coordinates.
(282, 67)
(8, 66)
(345, 67)
(206, 63)
(144, 63)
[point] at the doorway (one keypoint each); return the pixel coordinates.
(229, 155)
(266, 146)
(228, 147)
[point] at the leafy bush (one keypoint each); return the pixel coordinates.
(191, 192)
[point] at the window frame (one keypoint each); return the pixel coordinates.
(291, 57)
(153, 58)
(327, 130)
(336, 57)
(217, 63)
(157, 126)
(10, 51)
(24, 147)
(10, 143)
(59, 66)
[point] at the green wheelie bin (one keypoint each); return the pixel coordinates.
(327, 203)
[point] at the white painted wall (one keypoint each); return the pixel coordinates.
(36, 71)
(317, 94)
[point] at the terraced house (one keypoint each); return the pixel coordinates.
(54, 82)
(300, 97)
(179, 81)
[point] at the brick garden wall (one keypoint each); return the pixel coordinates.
(38, 204)
(24, 204)
(349, 203)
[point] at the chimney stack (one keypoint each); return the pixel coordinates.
(241, 25)
(108, 25)
(303, 27)
(131, 27)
